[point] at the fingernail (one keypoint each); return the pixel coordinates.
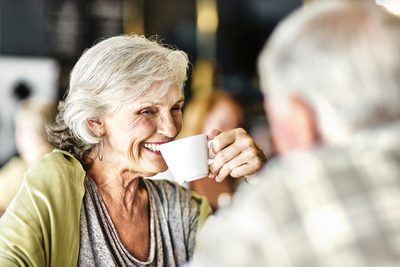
(217, 179)
(210, 175)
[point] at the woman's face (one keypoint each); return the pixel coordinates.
(133, 132)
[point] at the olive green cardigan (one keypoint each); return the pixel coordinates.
(41, 227)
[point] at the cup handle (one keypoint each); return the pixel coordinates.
(209, 144)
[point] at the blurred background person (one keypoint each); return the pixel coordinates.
(31, 117)
(331, 75)
(221, 111)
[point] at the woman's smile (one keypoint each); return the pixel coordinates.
(153, 147)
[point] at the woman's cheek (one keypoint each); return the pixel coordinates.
(133, 140)
(178, 123)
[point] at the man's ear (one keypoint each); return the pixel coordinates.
(293, 124)
(304, 122)
(96, 125)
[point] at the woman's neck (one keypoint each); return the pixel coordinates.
(117, 186)
(127, 202)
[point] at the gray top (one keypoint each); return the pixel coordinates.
(173, 226)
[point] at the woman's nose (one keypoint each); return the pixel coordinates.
(166, 126)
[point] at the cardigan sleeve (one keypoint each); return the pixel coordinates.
(21, 238)
(41, 225)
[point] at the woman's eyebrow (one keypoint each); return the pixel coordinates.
(181, 100)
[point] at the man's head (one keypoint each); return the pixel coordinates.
(329, 70)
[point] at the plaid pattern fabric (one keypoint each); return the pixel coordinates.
(328, 207)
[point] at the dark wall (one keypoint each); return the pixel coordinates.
(244, 26)
(23, 28)
(61, 29)
(64, 28)
(174, 21)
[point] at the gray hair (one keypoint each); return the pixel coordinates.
(114, 72)
(342, 59)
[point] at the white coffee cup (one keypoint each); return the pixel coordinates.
(187, 158)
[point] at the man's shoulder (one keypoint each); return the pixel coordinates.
(308, 190)
(299, 175)
(316, 164)
(295, 167)
(303, 180)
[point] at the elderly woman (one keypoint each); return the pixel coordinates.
(86, 203)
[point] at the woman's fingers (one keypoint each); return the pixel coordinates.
(237, 155)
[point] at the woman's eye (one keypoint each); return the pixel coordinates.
(147, 112)
(176, 109)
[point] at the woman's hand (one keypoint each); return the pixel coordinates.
(236, 154)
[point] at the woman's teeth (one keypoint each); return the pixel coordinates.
(152, 147)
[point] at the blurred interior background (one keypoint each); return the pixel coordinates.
(40, 41)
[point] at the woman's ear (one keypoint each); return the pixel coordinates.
(96, 125)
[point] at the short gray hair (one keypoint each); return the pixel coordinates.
(115, 71)
(340, 57)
